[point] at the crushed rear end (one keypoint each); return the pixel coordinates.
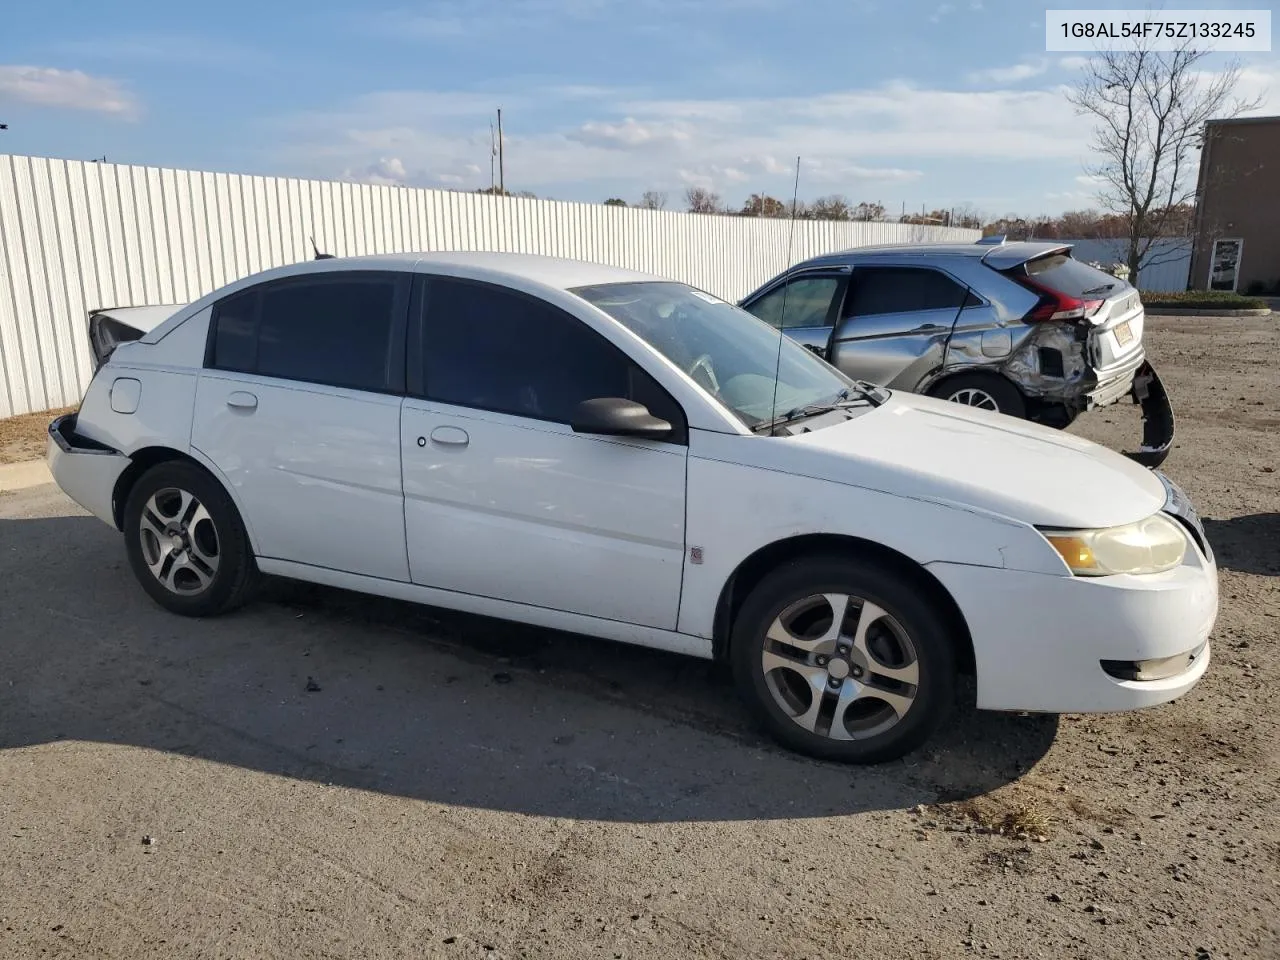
(1085, 346)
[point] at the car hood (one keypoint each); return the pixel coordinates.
(920, 447)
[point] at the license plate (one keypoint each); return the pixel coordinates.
(1124, 334)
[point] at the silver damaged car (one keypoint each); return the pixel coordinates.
(1021, 328)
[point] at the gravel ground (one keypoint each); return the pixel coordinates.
(24, 438)
(325, 775)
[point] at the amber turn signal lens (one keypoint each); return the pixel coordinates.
(1075, 552)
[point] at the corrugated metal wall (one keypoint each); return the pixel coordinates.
(76, 236)
(1168, 261)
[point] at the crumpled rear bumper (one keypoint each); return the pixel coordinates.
(86, 471)
(1157, 417)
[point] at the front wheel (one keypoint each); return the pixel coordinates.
(986, 391)
(185, 540)
(844, 660)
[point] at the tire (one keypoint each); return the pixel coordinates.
(190, 552)
(986, 391)
(855, 721)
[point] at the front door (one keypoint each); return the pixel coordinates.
(299, 410)
(803, 307)
(502, 498)
(895, 324)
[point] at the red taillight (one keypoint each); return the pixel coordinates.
(1056, 306)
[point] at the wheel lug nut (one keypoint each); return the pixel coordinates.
(822, 661)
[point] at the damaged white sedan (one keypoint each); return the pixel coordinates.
(610, 453)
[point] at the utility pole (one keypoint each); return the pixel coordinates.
(493, 156)
(502, 186)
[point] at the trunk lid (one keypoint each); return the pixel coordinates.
(111, 326)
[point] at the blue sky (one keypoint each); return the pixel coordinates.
(940, 104)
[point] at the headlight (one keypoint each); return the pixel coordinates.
(1148, 546)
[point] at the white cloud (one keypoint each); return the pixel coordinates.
(1012, 74)
(881, 135)
(629, 133)
(942, 10)
(1073, 62)
(65, 89)
(387, 171)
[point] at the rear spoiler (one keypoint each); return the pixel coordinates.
(1007, 256)
(111, 326)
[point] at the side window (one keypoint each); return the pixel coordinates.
(488, 347)
(875, 290)
(235, 321)
(808, 301)
(341, 330)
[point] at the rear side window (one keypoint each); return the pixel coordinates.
(495, 349)
(235, 323)
(1065, 274)
(876, 290)
(342, 331)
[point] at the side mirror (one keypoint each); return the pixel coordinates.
(616, 417)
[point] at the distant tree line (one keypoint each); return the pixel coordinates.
(1174, 223)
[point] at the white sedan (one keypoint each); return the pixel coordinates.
(610, 453)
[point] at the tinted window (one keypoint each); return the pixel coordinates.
(492, 348)
(806, 303)
(1068, 275)
(234, 323)
(336, 330)
(901, 290)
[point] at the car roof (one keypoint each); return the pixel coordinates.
(1006, 253)
(557, 272)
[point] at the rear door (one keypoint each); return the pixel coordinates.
(895, 323)
(298, 407)
(803, 306)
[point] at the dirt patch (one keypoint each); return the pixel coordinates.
(23, 438)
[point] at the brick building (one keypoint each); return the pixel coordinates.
(1237, 232)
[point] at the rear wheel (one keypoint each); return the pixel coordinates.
(844, 660)
(186, 543)
(986, 391)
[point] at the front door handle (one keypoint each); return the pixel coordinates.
(242, 400)
(450, 436)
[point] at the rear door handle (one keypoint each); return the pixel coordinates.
(450, 436)
(242, 400)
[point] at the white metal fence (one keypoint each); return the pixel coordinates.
(77, 236)
(1168, 261)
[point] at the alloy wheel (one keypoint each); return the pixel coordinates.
(973, 397)
(840, 666)
(179, 541)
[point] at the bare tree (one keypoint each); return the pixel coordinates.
(763, 205)
(831, 207)
(653, 199)
(1150, 110)
(868, 211)
(702, 200)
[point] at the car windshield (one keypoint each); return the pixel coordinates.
(727, 351)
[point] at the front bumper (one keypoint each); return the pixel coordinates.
(1052, 643)
(86, 470)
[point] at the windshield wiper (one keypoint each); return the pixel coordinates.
(866, 391)
(1102, 289)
